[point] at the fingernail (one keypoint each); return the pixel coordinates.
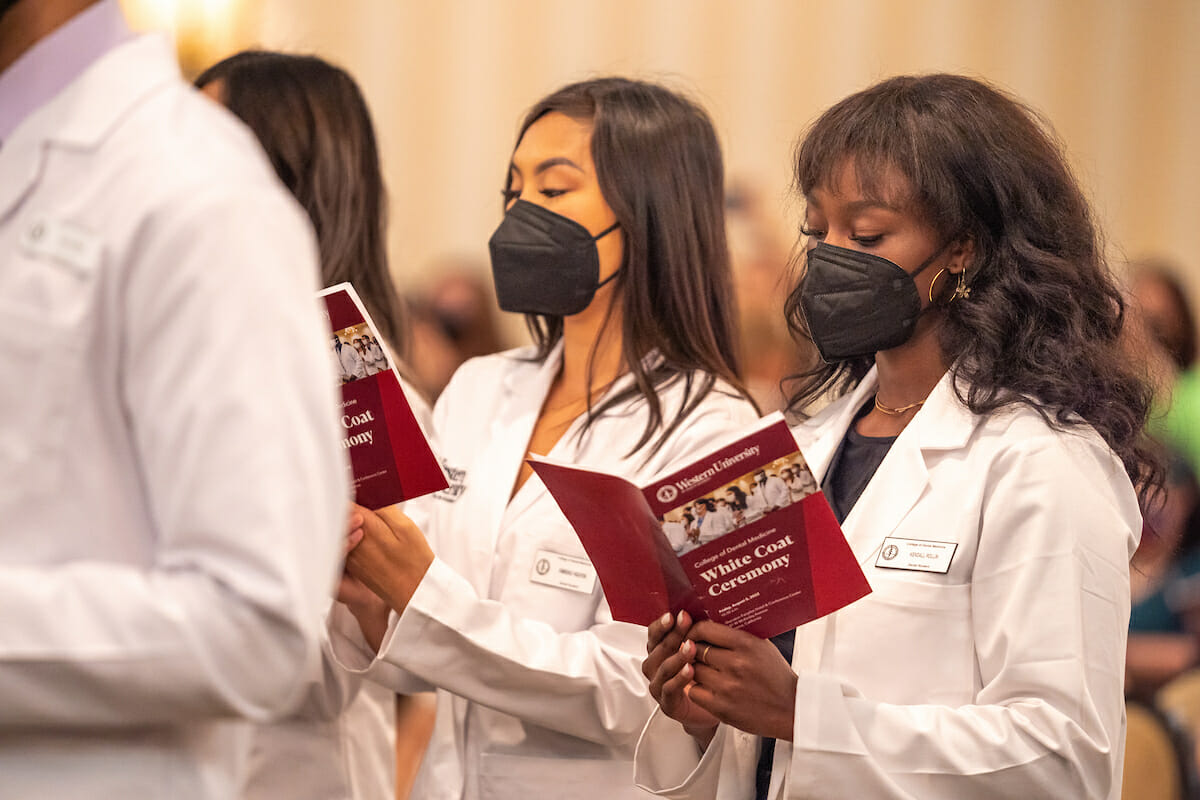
(666, 619)
(686, 646)
(680, 617)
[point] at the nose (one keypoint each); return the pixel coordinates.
(838, 238)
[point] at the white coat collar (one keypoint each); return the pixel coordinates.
(943, 423)
(83, 114)
(530, 390)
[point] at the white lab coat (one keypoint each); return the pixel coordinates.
(999, 679)
(351, 362)
(767, 497)
(540, 691)
(714, 525)
(341, 744)
(170, 511)
(676, 534)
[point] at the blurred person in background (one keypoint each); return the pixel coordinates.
(759, 256)
(453, 319)
(315, 127)
(1164, 623)
(169, 508)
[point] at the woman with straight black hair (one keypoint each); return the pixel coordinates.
(314, 125)
(613, 246)
(982, 456)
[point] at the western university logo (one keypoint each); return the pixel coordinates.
(890, 552)
(542, 566)
(667, 494)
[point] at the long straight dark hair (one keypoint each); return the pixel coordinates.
(313, 123)
(659, 166)
(1042, 325)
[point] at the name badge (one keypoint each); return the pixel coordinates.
(63, 243)
(916, 554)
(564, 572)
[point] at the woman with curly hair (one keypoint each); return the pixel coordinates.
(982, 455)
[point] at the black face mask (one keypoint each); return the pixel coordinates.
(544, 263)
(856, 304)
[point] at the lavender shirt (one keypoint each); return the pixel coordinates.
(53, 63)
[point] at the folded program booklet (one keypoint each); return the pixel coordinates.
(742, 536)
(389, 455)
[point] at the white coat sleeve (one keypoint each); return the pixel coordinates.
(242, 477)
(587, 684)
(1049, 607)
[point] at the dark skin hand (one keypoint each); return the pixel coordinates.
(705, 673)
(668, 666)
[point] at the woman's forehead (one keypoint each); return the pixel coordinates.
(859, 178)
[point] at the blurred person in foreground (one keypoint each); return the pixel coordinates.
(170, 510)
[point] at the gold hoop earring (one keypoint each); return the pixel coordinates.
(933, 282)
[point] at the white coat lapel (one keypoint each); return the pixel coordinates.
(943, 423)
(820, 436)
(524, 392)
(572, 447)
(83, 113)
(818, 439)
(20, 165)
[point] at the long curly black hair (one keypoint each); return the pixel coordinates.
(1043, 323)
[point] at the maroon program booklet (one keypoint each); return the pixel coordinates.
(389, 454)
(742, 536)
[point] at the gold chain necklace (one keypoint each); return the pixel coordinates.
(895, 412)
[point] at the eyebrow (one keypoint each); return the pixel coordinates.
(869, 203)
(558, 161)
(857, 206)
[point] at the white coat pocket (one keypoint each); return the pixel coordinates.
(921, 633)
(46, 297)
(38, 355)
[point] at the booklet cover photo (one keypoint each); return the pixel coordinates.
(389, 455)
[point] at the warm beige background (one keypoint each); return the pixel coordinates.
(449, 79)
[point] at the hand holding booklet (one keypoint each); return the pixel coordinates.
(389, 455)
(742, 536)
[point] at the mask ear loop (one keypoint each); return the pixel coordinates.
(597, 238)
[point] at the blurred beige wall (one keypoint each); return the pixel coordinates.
(448, 81)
